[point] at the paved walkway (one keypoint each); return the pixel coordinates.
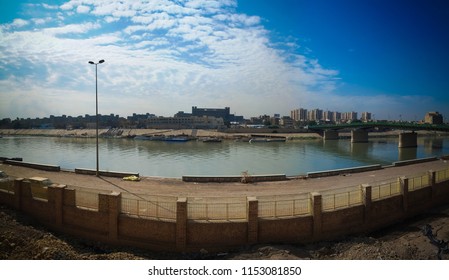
(178, 188)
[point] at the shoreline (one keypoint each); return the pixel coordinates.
(124, 133)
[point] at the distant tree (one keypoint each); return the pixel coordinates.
(5, 123)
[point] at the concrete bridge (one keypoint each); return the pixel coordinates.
(359, 131)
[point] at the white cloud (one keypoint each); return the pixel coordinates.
(82, 9)
(66, 6)
(50, 7)
(72, 28)
(18, 22)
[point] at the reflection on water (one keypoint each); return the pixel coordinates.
(166, 159)
(408, 153)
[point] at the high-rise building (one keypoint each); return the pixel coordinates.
(366, 116)
(349, 116)
(315, 115)
(299, 114)
(294, 114)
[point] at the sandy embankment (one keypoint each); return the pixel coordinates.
(127, 132)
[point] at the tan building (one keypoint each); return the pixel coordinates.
(205, 122)
(433, 118)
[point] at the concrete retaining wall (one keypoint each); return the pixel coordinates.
(335, 172)
(39, 166)
(223, 179)
(414, 161)
(105, 173)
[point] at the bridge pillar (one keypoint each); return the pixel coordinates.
(330, 135)
(359, 136)
(408, 140)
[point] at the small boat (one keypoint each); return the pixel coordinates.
(150, 137)
(176, 139)
(259, 140)
(211, 140)
(142, 137)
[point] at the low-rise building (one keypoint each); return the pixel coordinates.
(204, 122)
(433, 118)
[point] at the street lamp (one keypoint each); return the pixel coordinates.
(96, 110)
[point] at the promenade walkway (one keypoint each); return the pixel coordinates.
(178, 188)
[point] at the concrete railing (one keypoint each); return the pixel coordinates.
(117, 174)
(414, 161)
(46, 167)
(340, 171)
(241, 178)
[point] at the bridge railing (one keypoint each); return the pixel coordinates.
(397, 125)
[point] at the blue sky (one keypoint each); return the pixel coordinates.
(257, 57)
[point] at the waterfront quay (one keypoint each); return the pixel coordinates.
(176, 187)
(173, 215)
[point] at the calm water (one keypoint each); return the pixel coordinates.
(153, 158)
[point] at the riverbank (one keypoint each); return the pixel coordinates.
(196, 133)
(130, 133)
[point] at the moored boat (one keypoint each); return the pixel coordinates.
(211, 140)
(176, 139)
(261, 140)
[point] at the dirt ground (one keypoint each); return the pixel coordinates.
(22, 239)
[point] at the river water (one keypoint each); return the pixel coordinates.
(166, 159)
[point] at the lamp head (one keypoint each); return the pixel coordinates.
(91, 62)
(101, 61)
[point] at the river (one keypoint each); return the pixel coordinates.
(164, 159)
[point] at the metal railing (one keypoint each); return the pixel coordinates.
(217, 208)
(386, 189)
(341, 198)
(418, 182)
(152, 207)
(87, 198)
(441, 175)
(284, 206)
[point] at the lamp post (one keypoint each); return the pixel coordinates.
(96, 110)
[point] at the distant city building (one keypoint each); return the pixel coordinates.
(136, 117)
(337, 117)
(204, 122)
(212, 112)
(315, 115)
(433, 118)
(223, 113)
(329, 116)
(349, 116)
(286, 122)
(299, 114)
(319, 115)
(366, 116)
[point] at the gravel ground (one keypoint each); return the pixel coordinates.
(22, 239)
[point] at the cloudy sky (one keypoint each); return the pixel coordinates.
(259, 57)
